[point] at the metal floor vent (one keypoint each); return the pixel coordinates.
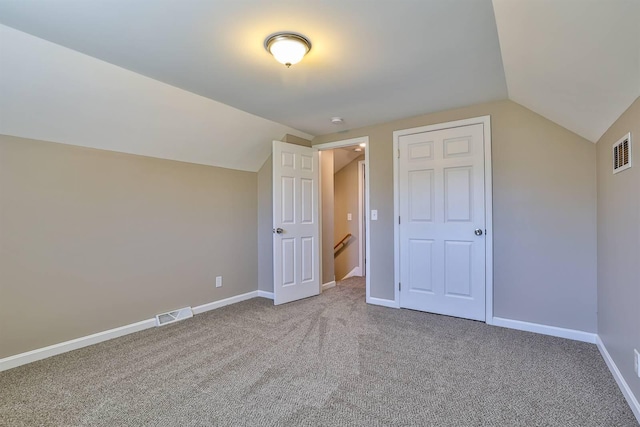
(173, 316)
(622, 154)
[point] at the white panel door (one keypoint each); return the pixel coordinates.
(296, 231)
(442, 216)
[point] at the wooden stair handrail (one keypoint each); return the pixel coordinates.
(342, 242)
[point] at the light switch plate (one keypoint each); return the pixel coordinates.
(374, 215)
(349, 216)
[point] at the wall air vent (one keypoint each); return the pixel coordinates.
(173, 316)
(622, 154)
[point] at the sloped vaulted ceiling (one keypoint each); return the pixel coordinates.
(203, 89)
(575, 62)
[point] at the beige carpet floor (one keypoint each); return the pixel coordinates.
(330, 360)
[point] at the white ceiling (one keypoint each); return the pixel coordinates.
(371, 61)
(52, 93)
(223, 97)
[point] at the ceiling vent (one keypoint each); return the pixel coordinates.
(173, 316)
(622, 154)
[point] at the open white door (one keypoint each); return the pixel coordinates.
(296, 230)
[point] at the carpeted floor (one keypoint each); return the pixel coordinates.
(331, 360)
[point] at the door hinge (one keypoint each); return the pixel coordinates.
(398, 219)
(399, 286)
(398, 153)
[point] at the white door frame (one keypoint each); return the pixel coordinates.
(347, 143)
(361, 228)
(488, 197)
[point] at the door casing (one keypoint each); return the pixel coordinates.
(486, 122)
(362, 229)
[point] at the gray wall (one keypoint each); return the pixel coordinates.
(619, 248)
(326, 193)
(346, 201)
(265, 226)
(544, 206)
(92, 240)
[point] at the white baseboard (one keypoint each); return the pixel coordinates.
(355, 272)
(383, 302)
(227, 301)
(624, 387)
(265, 294)
(52, 350)
(554, 331)
(63, 347)
(328, 285)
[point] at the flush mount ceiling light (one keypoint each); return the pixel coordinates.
(287, 48)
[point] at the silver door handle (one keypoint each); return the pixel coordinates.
(478, 232)
(278, 230)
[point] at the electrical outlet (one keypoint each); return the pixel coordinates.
(349, 216)
(218, 281)
(636, 361)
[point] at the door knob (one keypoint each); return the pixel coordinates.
(278, 230)
(478, 232)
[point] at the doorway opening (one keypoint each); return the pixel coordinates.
(343, 211)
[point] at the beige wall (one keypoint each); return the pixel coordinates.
(326, 193)
(619, 248)
(544, 208)
(265, 226)
(92, 240)
(292, 139)
(346, 201)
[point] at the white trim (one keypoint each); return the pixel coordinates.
(353, 273)
(367, 222)
(63, 347)
(347, 143)
(488, 207)
(553, 331)
(320, 224)
(382, 302)
(624, 387)
(488, 220)
(227, 301)
(328, 285)
(361, 228)
(265, 294)
(396, 214)
(343, 143)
